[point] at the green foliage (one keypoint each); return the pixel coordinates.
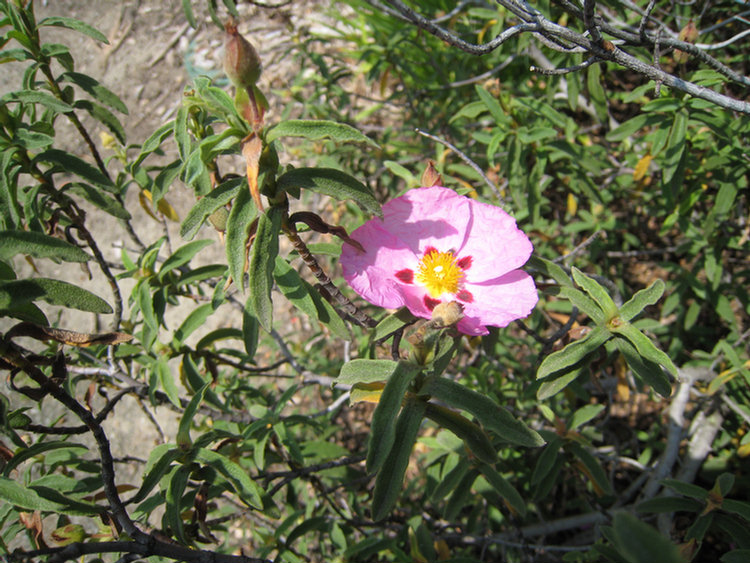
(635, 198)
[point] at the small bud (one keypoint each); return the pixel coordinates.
(241, 61)
(447, 314)
(430, 176)
(689, 34)
(72, 533)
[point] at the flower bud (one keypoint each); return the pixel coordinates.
(241, 61)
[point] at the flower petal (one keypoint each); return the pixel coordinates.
(425, 217)
(372, 274)
(498, 303)
(494, 243)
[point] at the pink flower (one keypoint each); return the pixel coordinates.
(434, 246)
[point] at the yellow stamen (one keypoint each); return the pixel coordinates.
(439, 273)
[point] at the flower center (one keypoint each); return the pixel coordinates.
(439, 273)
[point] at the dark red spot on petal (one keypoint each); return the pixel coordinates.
(431, 303)
(430, 250)
(405, 275)
(465, 296)
(465, 262)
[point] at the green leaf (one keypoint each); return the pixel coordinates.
(154, 141)
(103, 116)
(546, 462)
(489, 414)
(451, 479)
(182, 256)
(584, 303)
(75, 25)
(208, 204)
(240, 219)
(549, 269)
(36, 97)
(192, 322)
(382, 428)
(183, 431)
(584, 415)
(475, 439)
(649, 372)
(504, 488)
(641, 300)
(392, 323)
(73, 165)
(645, 347)
(673, 161)
(159, 463)
(39, 245)
(99, 199)
(640, 543)
(167, 382)
(573, 353)
(22, 455)
(363, 370)
(595, 471)
(492, 105)
(596, 92)
(736, 556)
(250, 493)
(306, 298)
(330, 182)
(250, 330)
(12, 492)
(96, 90)
(262, 259)
(318, 129)
(558, 382)
(390, 479)
(669, 504)
(173, 509)
(596, 292)
(54, 292)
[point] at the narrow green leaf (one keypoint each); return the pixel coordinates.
(182, 256)
(649, 372)
(316, 523)
(626, 129)
(73, 165)
(475, 439)
(553, 385)
(306, 298)
(582, 301)
(207, 205)
(318, 129)
(75, 25)
(192, 322)
(39, 245)
(37, 449)
(154, 141)
(262, 259)
(330, 182)
(492, 105)
(673, 158)
(240, 219)
(595, 470)
(550, 269)
(382, 428)
(183, 431)
(159, 463)
(99, 199)
(37, 97)
(250, 330)
(669, 504)
(392, 323)
(390, 479)
(573, 353)
(12, 492)
(650, 545)
(103, 116)
(489, 414)
(173, 509)
(250, 493)
(459, 499)
(645, 347)
(362, 370)
(54, 292)
(505, 489)
(641, 300)
(596, 292)
(546, 462)
(167, 382)
(96, 90)
(584, 415)
(451, 479)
